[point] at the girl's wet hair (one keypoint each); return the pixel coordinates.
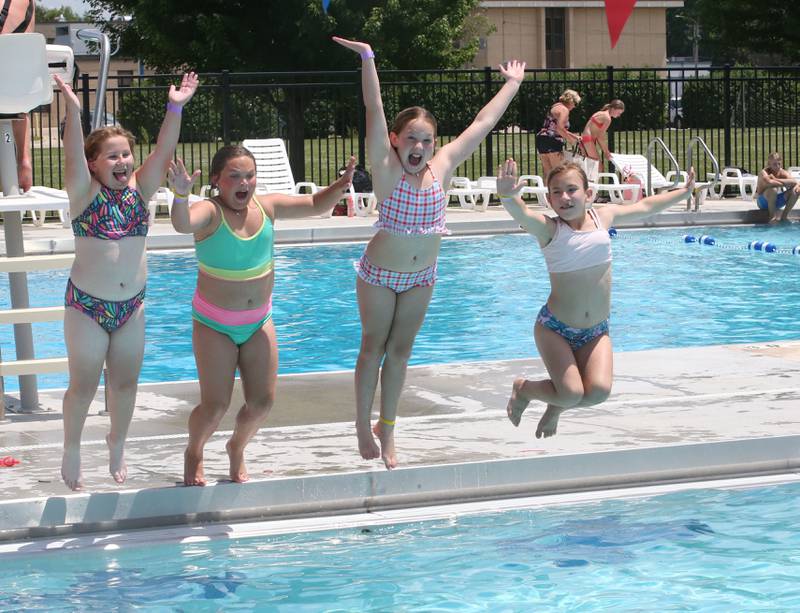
(408, 115)
(562, 168)
(615, 104)
(95, 140)
(223, 156)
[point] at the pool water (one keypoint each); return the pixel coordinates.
(709, 550)
(666, 294)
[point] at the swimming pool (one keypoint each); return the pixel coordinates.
(707, 549)
(666, 294)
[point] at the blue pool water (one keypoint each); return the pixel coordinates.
(709, 550)
(666, 294)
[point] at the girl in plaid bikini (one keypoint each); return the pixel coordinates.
(397, 272)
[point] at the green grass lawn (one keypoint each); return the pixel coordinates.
(749, 149)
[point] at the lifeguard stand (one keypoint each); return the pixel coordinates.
(25, 84)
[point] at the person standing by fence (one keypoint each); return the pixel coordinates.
(555, 135)
(595, 135)
(397, 272)
(19, 17)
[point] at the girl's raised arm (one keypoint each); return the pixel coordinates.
(470, 139)
(185, 219)
(381, 154)
(508, 188)
(324, 200)
(151, 173)
(78, 180)
(650, 205)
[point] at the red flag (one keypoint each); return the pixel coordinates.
(617, 13)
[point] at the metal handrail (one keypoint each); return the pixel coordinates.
(98, 121)
(658, 141)
(714, 162)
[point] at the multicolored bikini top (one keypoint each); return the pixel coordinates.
(412, 211)
(228, 256)
(112, 215)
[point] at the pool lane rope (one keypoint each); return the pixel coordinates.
(705, 239)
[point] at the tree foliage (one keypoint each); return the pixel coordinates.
(738, 30)
(267, 35)
(63, 13)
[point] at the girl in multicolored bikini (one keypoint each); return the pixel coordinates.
(104, 318)
(571, 331)
(232, 305)
(397, 272)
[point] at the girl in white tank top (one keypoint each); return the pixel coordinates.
(571, 330)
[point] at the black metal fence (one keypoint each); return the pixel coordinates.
(742, 114)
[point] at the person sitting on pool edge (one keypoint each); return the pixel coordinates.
(232, 305)
(776, 189)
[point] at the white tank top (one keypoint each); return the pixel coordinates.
(570, 250)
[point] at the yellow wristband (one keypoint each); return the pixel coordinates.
(387, 422)
(506, 195)
(181, 196)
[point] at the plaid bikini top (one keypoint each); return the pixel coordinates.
(112, 215)
(412, 211)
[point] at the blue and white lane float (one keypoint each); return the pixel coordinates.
(705, 239)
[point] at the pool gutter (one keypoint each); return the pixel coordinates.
(376, 491)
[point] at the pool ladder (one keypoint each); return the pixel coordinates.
(701, 186)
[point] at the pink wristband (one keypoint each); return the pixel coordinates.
(174, 108)
(365, 55)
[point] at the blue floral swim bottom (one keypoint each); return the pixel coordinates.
(576, 337)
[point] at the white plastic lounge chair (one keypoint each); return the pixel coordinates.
(471, 198)
(618, 193)
(534, 186)
(637, 164)
(273, 171)
(733, 177)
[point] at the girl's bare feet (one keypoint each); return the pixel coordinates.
(116, 460)
(517, 403)
(193, 468)
(366, 442)
(548, 424)
(71, 468)
(385, 434)
(238, 471)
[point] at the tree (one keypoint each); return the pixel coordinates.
(64, 13)
(243, 35)
(292, 35)
(738, 30)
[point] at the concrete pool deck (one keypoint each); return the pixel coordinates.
(674, 415)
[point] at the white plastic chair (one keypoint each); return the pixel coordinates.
(638, 165)
(469, 197)
(535, 187)
(733, 177)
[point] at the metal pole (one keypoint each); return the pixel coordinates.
(18, 281)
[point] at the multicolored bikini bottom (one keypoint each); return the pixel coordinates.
(109, 314)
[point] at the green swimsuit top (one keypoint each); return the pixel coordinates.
(226, 255)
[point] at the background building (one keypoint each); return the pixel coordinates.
(573, 34)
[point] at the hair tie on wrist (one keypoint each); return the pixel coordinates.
(180, 196)
(365, 55)
(174, 108)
